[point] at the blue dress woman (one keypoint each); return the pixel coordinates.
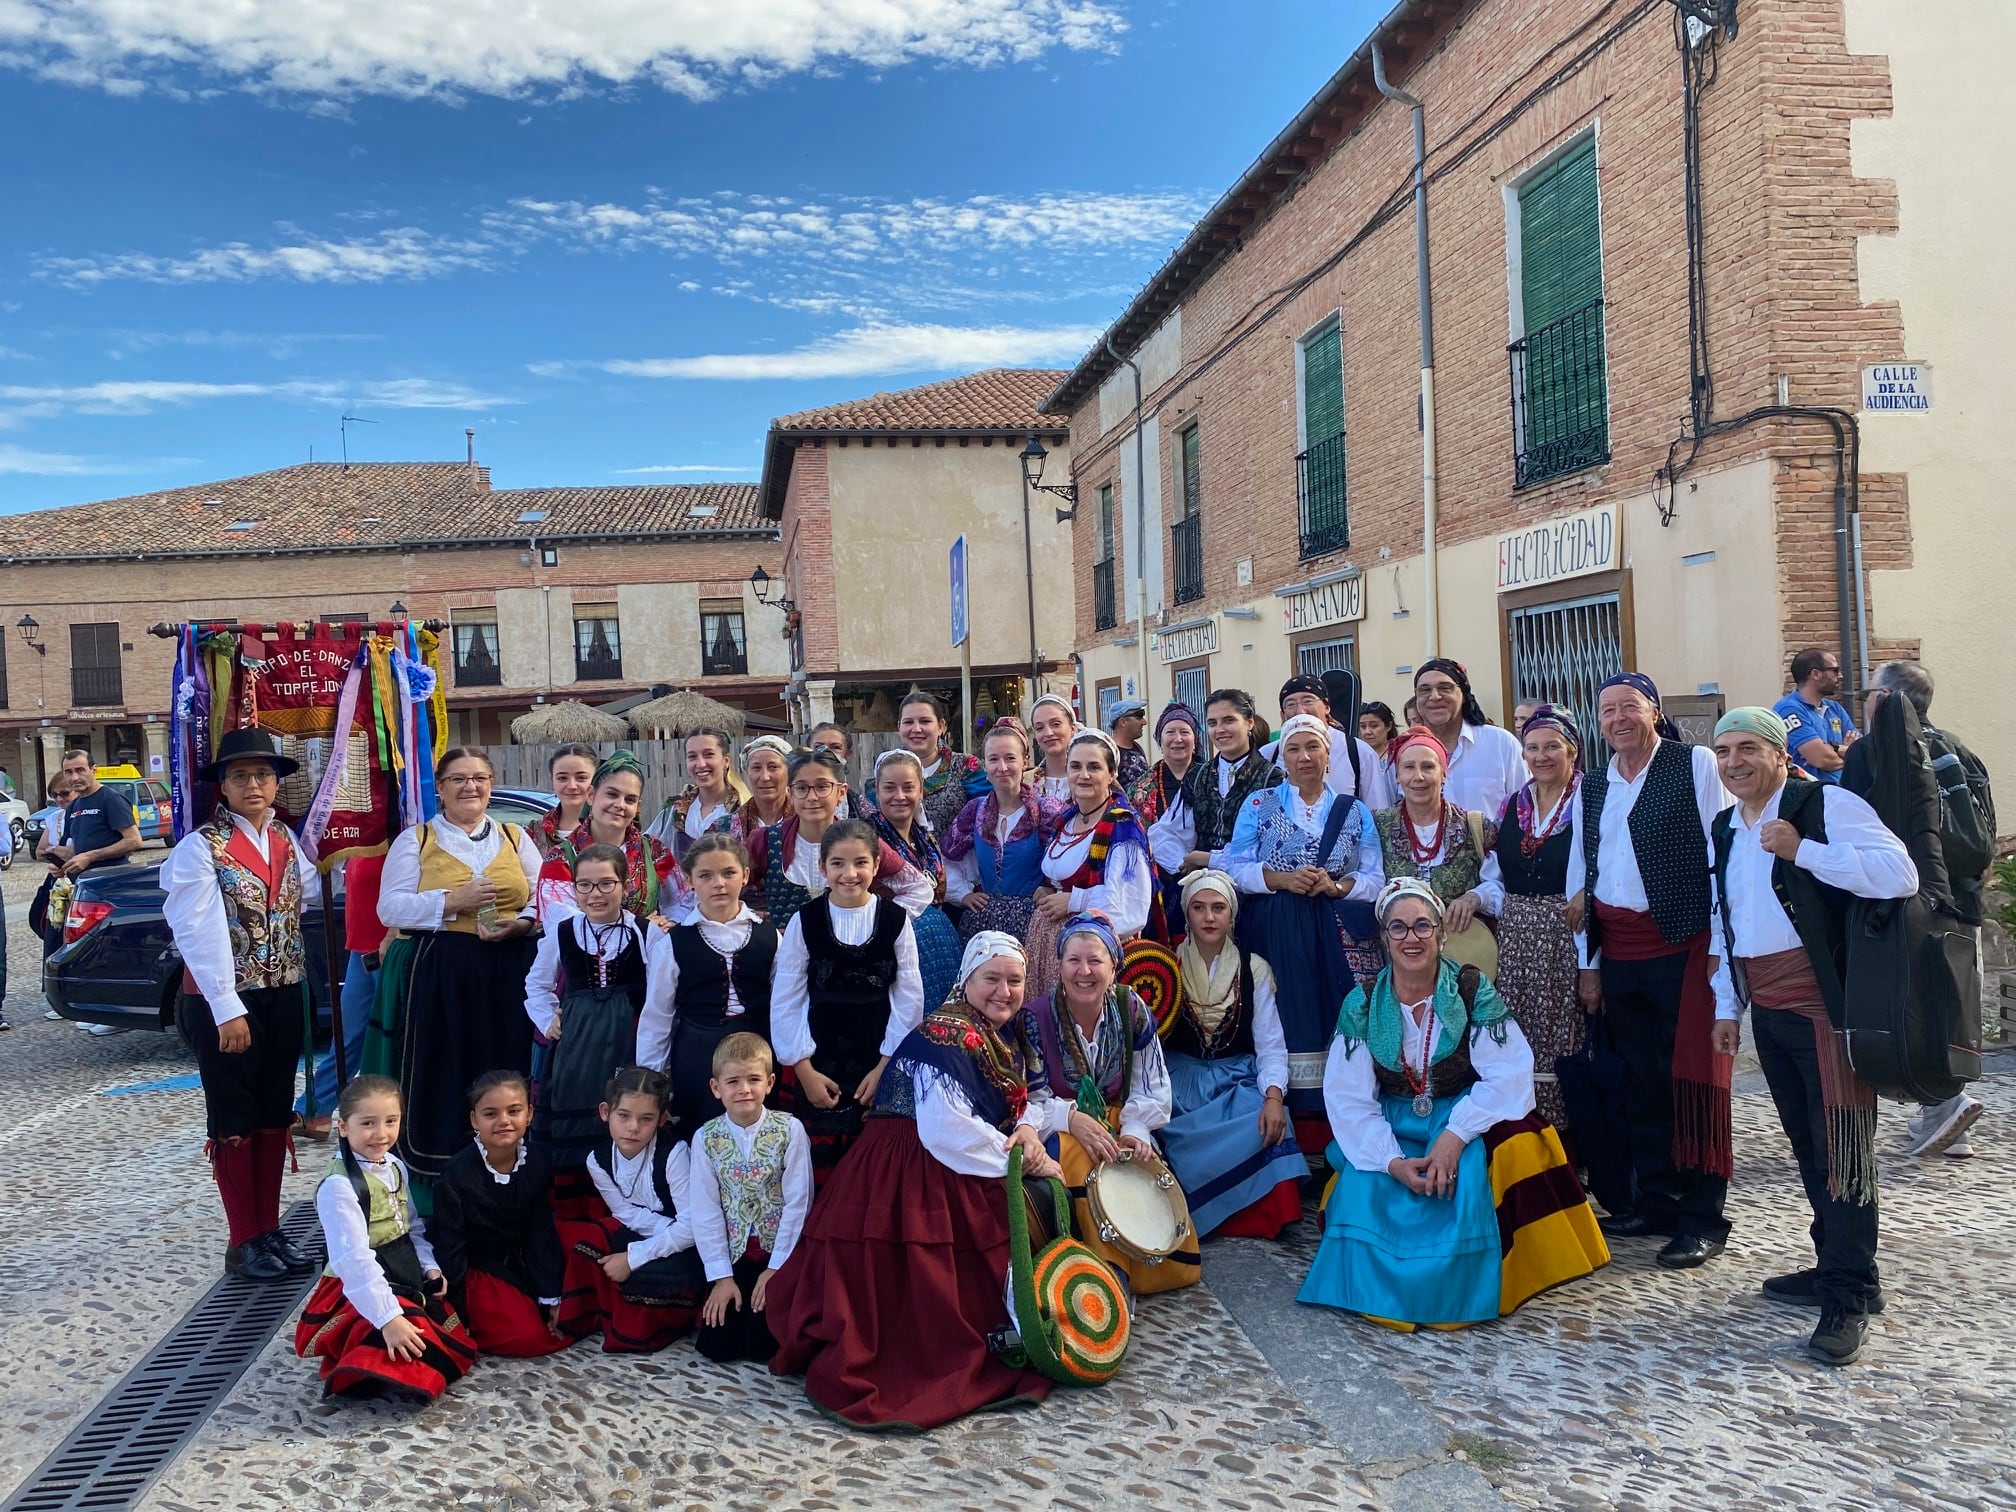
(994, 850)
(1306, 861)
(899, 821)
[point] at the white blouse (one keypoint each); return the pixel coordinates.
(1126, 893)
(1619, 883)
(791, 998)
(957, 1137)
(1174, 835)
(962, 873)
(710, 1222)
(1058, 788)
(546, 982)
(632, 1198)
(401, 904)
(194, 909)
(1148, 1105)
(1503, 1091)
(661, 1014)
(348, 1237)
(909, 888)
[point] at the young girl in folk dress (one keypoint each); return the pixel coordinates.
(378, 1319)
(994, 853)
(597, 969)
(847, 991)
(652, 881)
(899, 822)
(784, 865)
(719, 982)
(647, 1278)
(493, 1231)
(571, 772)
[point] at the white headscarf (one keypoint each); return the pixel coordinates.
(1211, 880)
(984, 947)
(775, 743)
(1208, 989)
(1299, 723)
(1407, 887)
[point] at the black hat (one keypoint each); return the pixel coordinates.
(249, 744)
(1304, 682)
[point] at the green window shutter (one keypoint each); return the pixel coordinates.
(1105, 522)
(1558, 364)
(1193, 483)
(1323, 386)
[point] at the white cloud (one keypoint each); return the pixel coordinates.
(695, 48)
(405, 253)
(143, 396)
(871, 350)
(680, 467)
(279, 345)
(15, 459)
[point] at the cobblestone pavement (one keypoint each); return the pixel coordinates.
(1635, 1389)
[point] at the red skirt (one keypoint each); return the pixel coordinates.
(353, 1355)
(505, 1321)
(637, 1324)
(582, 1223)
(1266, 1218)
(886, 1304)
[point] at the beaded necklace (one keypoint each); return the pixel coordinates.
(1424, 854)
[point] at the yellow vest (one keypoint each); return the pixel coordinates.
(440, 871)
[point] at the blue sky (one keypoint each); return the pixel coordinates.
(615, 238)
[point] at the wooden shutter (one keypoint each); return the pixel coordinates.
(1323, 386)
(1560, 244)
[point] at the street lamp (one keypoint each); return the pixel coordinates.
(31, 634)
(761, 581)
(398, 610)
(1033, 458)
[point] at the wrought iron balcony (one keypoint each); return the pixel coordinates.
(606, 667)
(96, 687)
(1319, 483)
(1560, 398)
(1186, 539)
(1103, 615)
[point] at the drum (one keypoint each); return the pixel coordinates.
(1153, 972)
(1139, 1208)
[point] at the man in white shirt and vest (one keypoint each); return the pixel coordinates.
(1788, 859)
(235, 885)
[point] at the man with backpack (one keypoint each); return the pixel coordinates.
(1967, 844)
(1789, 857)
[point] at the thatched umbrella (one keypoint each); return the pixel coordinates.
(679, 713)
(563, 723)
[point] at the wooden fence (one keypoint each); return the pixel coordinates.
(664, 763)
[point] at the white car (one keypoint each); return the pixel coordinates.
(18, 815)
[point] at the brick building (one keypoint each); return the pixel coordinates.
(870, 495)
(589, 593)
(1615, 486)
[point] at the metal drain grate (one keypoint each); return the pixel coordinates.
(112, 1457)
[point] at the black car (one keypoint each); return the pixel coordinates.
(118, 963)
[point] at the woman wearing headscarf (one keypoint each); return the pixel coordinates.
(1426, 835)
(952, 779)
(1227, 1138)
(1453, 1202)
(1052, 723)
(994, 851)
(1097, 859)
(1306, 859)
(766, 768)
(898, 817)
(1537, 961)
(1098, 1084)
(1181, 739)
(784, 872)
(1639, 895)
(887, 1304)
(1190, 834)
(1482, 763)
(652, 881)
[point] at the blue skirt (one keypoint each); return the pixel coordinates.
(1309, 943)
(1393, 1254)
(938, 952)
(1213, 1142)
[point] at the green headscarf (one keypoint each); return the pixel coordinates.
(1753, 720)
(1373, 1017)
(616, 762)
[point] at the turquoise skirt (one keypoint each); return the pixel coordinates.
(1393, 1254)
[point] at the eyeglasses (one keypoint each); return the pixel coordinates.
(251, 775)
(1441, 689)
(1420, 929)
(814, 789)
(465, 781)
(594, 888)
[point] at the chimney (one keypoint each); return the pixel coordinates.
(470, 433)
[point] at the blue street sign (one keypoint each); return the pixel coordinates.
(960, 620)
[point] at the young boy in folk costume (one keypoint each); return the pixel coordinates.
(848, 989)
(751, 1187)
(234, 886)
(379, 1319)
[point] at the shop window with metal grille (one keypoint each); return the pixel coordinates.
(1562, 653)
(95, 679)
(1192, 685)
(598, 644)
(724, 645)
(1559, 378)
(1314, 658)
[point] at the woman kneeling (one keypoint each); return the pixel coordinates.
(1429, 1088)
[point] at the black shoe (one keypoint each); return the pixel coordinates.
(254, 1262)
(1802, 1289)
(287, 1252)
(1686, 1251)
(1839, 1338)
(1633, 1226)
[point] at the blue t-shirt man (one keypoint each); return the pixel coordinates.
(1829, 724)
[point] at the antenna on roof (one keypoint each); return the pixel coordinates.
(348, 421)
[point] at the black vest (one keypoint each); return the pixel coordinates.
(1447, 1077)
(626, 972)
(1214, 816)
(1235, 1030)
(1665, 826)
(1819, 912)
(1544, 874)
(704, 973)
(847, 987)
(604, 1155)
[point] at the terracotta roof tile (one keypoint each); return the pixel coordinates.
(366, 505)
(999, 399)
